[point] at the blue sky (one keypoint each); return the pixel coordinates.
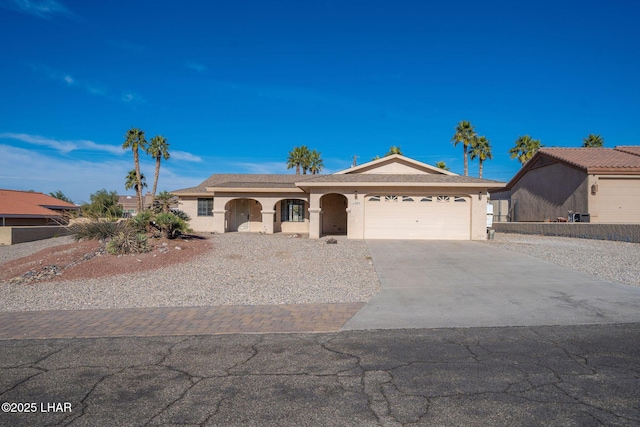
(234, 86)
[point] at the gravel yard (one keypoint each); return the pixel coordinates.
(607, 260)
(239, 269)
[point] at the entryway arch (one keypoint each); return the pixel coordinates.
(244, 215)
(334, 214)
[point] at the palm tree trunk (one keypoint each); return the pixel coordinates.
(480, 160)
(298, 169)
(136, 161)
(466, 161)
(155, 180)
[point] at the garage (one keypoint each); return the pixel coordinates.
(617, 200)
(428, 217)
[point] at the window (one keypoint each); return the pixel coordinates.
(292, 210)
(443, 199)
(374, 198)
(427, 199)
(459, 199)
(390, 198)
(407, 199)
(205, 207)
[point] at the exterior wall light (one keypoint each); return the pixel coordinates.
(356, 193)
(594, 189)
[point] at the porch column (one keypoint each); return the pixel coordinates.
(314, 223)
(219, 216)
(267, 221)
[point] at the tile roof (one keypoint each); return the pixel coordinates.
(399, 178)
(29, 204)
(598, 159)
(248, 181)
(631, 149)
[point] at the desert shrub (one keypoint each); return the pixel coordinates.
(170, 225)
(143, 221)
(99, 229)
(128, 241)
(181, 214)
(104, 204)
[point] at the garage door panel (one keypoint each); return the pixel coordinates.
(446, 220)
(619, 200)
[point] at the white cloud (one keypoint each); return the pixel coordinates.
(24, 169)
(196, 66)
(183, 155)
(63, 146)
(88, 87)
(131, 97)
(45, 9)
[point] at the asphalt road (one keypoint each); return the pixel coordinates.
(561, 375)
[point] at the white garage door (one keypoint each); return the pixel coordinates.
(435, 217)
(618, 200)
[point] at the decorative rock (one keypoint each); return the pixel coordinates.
(332, 241)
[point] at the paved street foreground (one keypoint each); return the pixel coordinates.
(562, 375)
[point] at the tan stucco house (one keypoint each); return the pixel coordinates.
(394, 197)
(603, 183)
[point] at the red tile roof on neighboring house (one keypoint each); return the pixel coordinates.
(631, 149)
(33, 205)
(623, 160)
(596, 160)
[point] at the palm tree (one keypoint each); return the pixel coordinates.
(158, 149)
(132, 181)
(394, 150)
(593, 141)
(164, 202)
(297, 158)
(481, 148)
(465, 134)
(134, 139)
(524, 149)
(315, 162)
(300, 158)
(442, 165)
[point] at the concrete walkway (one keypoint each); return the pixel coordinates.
(435, 284)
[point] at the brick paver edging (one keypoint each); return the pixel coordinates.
(160, 321)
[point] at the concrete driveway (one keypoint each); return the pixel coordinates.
(434, 284)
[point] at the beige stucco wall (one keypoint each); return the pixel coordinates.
(618, 232)
(199, 224)
(13, 235)
(549, 192)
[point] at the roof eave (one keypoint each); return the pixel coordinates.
(254, 190)
(402, 184)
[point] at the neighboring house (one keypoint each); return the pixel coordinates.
(130, 203)
(603, 183)
(394, 197)
(20, 208)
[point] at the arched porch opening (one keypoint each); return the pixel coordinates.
(243, 215)
(291, 216)
(334, 214)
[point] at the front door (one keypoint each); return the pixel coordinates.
(242, 214)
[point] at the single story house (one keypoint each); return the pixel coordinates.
(20, 208)
(129, 203)
(600, 184)
(394, 197)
